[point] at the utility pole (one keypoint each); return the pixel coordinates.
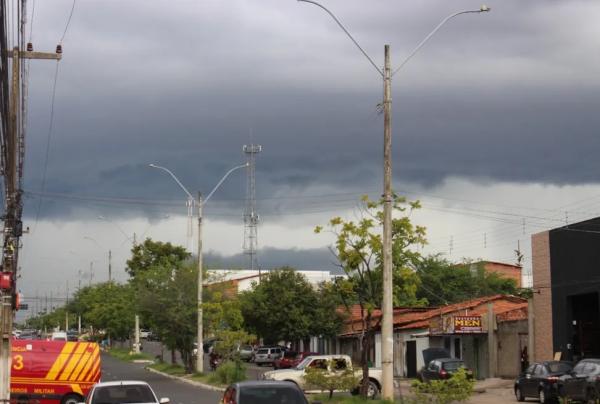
(387, 332)
(91, 272)
(109, 265)
(13, 227)
(199, 337)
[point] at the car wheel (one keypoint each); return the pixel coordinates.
(542, 396)
(519, 394)
(71, 399)
(590, 396)
(372, 390)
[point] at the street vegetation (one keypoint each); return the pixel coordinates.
(282, 307)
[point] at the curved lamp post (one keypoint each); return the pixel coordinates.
(199, 203)
(387, 332)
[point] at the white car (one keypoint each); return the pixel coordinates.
(126, 391)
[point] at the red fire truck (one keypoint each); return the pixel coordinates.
(53, 371)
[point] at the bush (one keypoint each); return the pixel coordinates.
(457, 388)
(230, 372)
(322, 379)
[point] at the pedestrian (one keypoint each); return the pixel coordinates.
(524, 359)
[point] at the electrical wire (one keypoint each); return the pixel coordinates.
(62, 38)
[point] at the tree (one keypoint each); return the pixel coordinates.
(152, 254)
(107, 306)
(330, 381)
(443, 282)
(358, 249)
(284, 307)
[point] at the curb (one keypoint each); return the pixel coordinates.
(188, 381)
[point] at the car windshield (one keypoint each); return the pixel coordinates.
(271, 395)
(455, 365)
(262, 351)
(304, 363)
(560, 367)
(129, 393)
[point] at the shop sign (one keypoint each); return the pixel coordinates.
(467, 325)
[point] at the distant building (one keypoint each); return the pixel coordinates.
(504, 270)
(239, 280)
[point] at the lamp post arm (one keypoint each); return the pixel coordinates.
(223, 179)
(175, 178)
(424, 41)
(347, 33)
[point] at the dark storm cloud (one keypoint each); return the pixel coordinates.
(269, 258)
(511, 96)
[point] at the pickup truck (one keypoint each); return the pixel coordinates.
(341, 362)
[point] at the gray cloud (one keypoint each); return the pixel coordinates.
(508, 96)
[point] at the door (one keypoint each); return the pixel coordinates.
(527, 381)
(411, 359)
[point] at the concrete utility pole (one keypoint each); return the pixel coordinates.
(387, 334)
(200, 325)
(109, 265)
(387, 331)
(199, 204)
(136, 344)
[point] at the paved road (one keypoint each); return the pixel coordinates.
(178, 392)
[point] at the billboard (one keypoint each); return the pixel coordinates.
(467, 324)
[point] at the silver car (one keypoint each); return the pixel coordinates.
(246, 352)
(267, 355)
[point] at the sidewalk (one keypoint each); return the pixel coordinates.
(481, 386)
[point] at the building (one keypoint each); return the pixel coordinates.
(504, 270)
(566, 285)
(488, 333)
(239, 280)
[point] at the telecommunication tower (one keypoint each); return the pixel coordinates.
(250, 215)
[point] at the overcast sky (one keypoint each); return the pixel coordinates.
(495, 125)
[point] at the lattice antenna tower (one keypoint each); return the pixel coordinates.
(250, 215)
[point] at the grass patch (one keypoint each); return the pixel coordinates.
(343, 398)
(124, 355)
(177, 370)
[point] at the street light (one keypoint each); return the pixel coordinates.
(387, 331)
(109, 255)
(199, 203)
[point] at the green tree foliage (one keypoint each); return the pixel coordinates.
(155, 254)
(106, 306)
(221, 310)
(285, 307)
(330, 380)
(229, 342)
(456, 389)
(358, 248)
(443, 282)
(167, 300)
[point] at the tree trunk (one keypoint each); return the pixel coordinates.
(365, 356)
(173, 357)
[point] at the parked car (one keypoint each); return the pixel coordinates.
(72, 335)
(267, 355)
(443, 368)
(264, 392)
(246, 352)
(540, 380)
(291, 359)
(59, 336)
(123, 392)
(440, 365)
(144, 334)
(581, 383)
(332, 364)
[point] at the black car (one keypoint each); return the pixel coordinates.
(540, 380)
(583, 382)
(264, 392)
(442, 369)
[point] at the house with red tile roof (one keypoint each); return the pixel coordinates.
(488, 333)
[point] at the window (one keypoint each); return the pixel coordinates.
(561, 367)
(319, 364)
(539, 370)
(339, 364)
(454, 365)
(530, 369)
(262, 351)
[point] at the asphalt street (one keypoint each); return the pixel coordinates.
(179, 392)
